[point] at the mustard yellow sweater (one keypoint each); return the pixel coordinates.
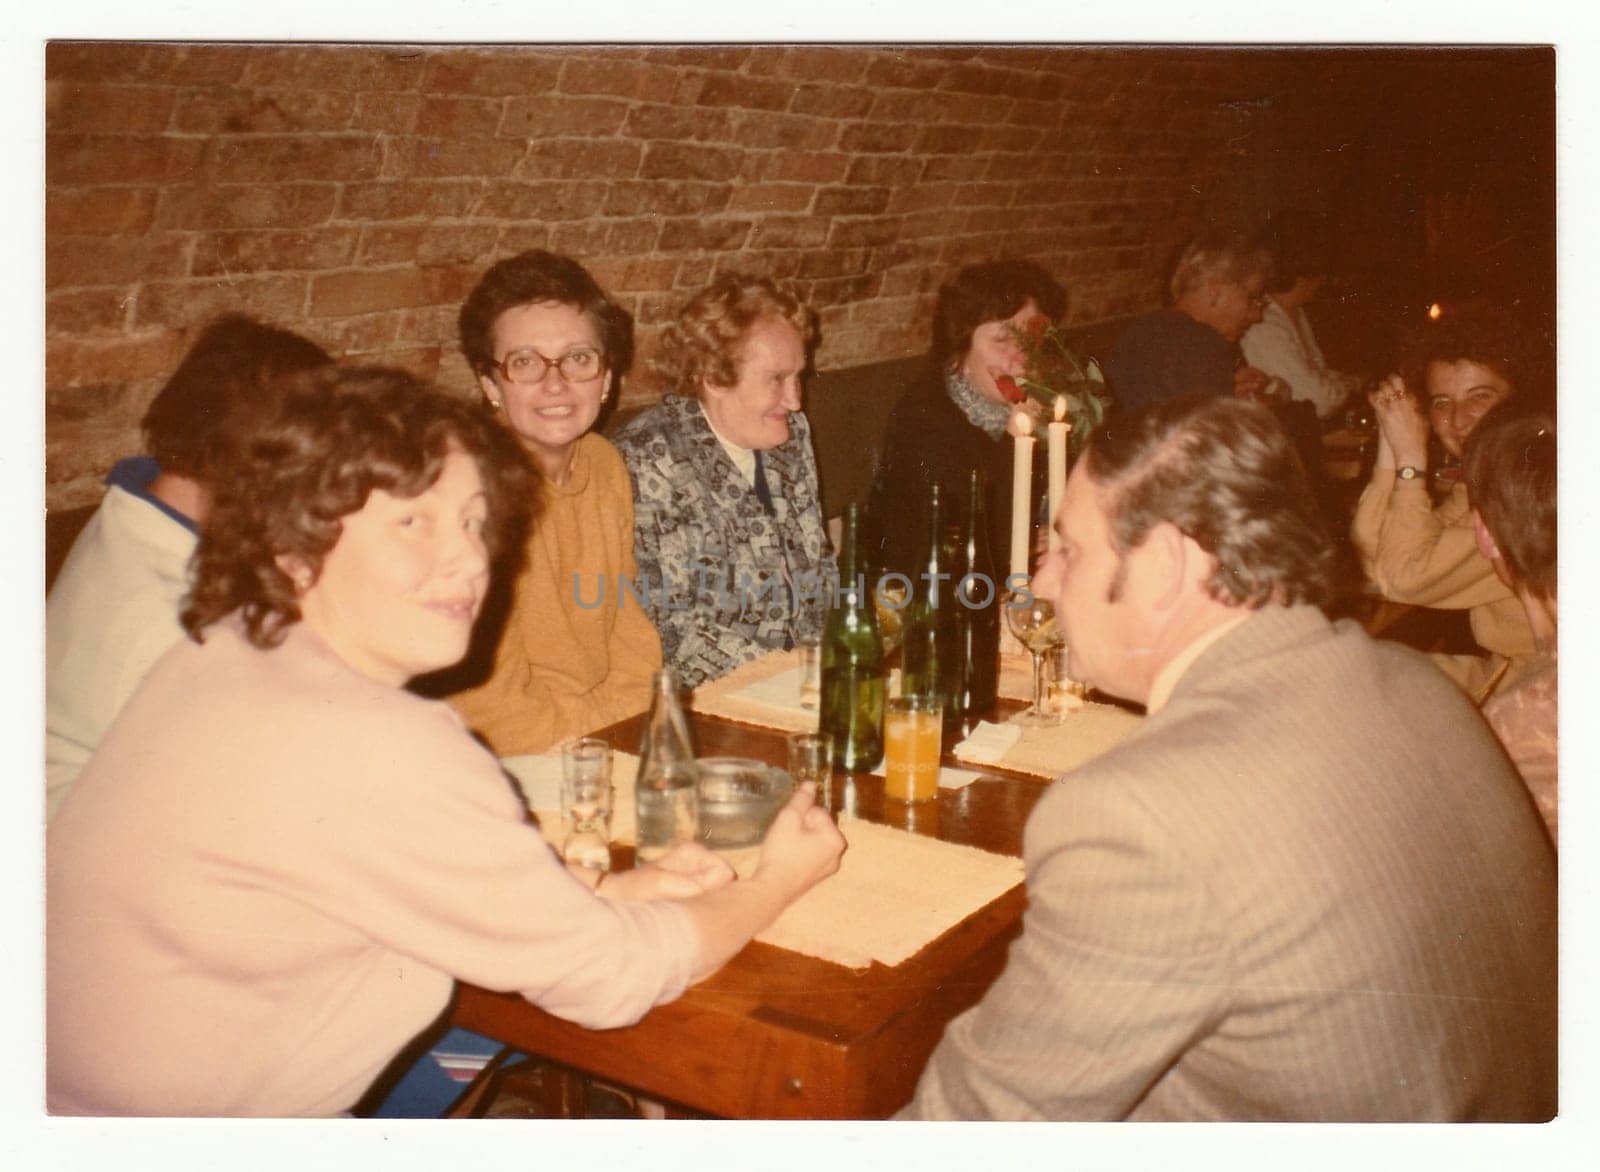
(563, 669)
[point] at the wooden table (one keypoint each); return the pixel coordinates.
(778, 1035)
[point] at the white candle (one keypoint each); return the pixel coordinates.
(1057, 457)
(1021, 493)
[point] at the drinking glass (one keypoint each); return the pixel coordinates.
(586, 802)
(811, 759)
(810, 672)
(911, 729)
(1033, 621)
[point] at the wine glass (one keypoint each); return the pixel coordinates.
(1033, 621)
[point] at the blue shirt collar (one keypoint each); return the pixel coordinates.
(134, 475)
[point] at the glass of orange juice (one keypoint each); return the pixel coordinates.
(911, 729)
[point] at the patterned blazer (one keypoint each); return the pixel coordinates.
(1308, 888)
(724, 581)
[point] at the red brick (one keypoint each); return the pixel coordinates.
(492, 72)
(623, 275)
(548, 116)
(263, 252)
(876, 138)
(755, 130)
(73, 261)
(286, 205)
(832, 101)
(77, 457)
(338, 67)
(841, 290)
(428, 244)
(447, 158)
(704, 56)
(702, 234)
(580, 158)
(112, 360)
(266, 159)
(606, 237)
(1044, 115)
(844, 262)
(76, 106)
(95, 158)
(922, 196)
(87, 311)
(189, 303)
(693, 273)
(234, 111)
(555, 200)
(663, 198)
(454, 117)
(354, 337)
(95, 404)
(686, 161)
(850, 201)
(779, 263)
(428, 325)
(422, 361)
(863, 230)
(817, 63)
(520, 237)
(954, 167)
(951, 140)
(772, 197)
(340, 294)
(792, 167)
(95, 61)
(174, 65)
(617, 74)
(386, 112)
(910, 280)
(900, 70)
(722, 89)
(789, 232)
(677, 122)
(405, 201)
(99, 211)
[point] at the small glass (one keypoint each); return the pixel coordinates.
(1066, 692)
(810, 673)
(811, 759)
(1033, 621)
(911, 748)
(586, 803)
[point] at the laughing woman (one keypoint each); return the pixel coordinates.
(547, 346)
(278, 861)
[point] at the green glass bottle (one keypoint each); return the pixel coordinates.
(852, 661)
(930, 656)
(978, 599)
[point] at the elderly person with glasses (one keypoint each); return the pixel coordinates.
(732, 554)
(564, 655)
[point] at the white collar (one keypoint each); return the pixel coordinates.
(744, 459)
(1167, 678)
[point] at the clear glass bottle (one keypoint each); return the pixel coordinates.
(668, 811)
(852, 661)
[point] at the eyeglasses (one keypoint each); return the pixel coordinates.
(528, 367)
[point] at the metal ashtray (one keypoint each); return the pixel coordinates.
(738, 797)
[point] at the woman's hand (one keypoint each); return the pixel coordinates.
(1402, 427)
(687, 870)
(802, 846)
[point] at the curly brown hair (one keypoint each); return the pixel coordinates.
(993, 291)
(528, 279)
(1224, 473)
(702, 345)
(1510, 472)
(340, 433)
(1485, 336)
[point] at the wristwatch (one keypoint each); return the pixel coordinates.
(1410, 472)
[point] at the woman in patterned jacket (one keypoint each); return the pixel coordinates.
(732, 557)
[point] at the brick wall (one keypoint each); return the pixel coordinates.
(355, 193)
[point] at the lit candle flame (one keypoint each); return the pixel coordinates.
(1435, 311)
(1061, 408)
(1024, 423)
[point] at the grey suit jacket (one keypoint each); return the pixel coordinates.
(1309, 888)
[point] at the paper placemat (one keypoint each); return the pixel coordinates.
(1016, 678)
(894, 893)
(1057, 749)
(539, 775)
(764, 692)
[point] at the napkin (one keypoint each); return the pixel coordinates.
(957, 778)
(781, 691)
(764, 692)
(988, 743)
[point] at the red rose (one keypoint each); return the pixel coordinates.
(1008, 388)
(1036, 326)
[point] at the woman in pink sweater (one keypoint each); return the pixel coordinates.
(278, 860)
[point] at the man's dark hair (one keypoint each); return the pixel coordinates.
(992, 291)
(1510, 471)
(1224, 473)
(532, 277)
(1485, 335)
(225, 385)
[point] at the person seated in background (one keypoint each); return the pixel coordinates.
(732, 554)
(955, 418)
(1510, 472)
(1282, 345)
(1419, 552)
(1309, 886)
(566, 657)
(278, 861)
(113, 610)
(1218, 289)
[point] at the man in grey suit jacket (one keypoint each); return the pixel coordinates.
(1310, 886)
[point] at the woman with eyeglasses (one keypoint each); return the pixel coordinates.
(729, 538)
(563, 651)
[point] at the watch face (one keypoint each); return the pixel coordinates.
(1409, 473)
